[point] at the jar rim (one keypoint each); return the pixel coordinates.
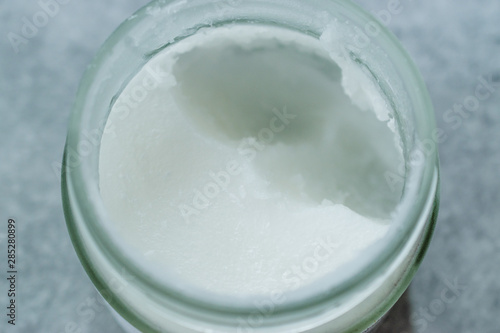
(79, 190)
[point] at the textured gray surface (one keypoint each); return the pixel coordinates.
(453, 44)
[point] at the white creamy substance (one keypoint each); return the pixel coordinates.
(244, 160)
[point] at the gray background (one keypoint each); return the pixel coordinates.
(452, 43)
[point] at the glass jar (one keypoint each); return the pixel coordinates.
(351, 302)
